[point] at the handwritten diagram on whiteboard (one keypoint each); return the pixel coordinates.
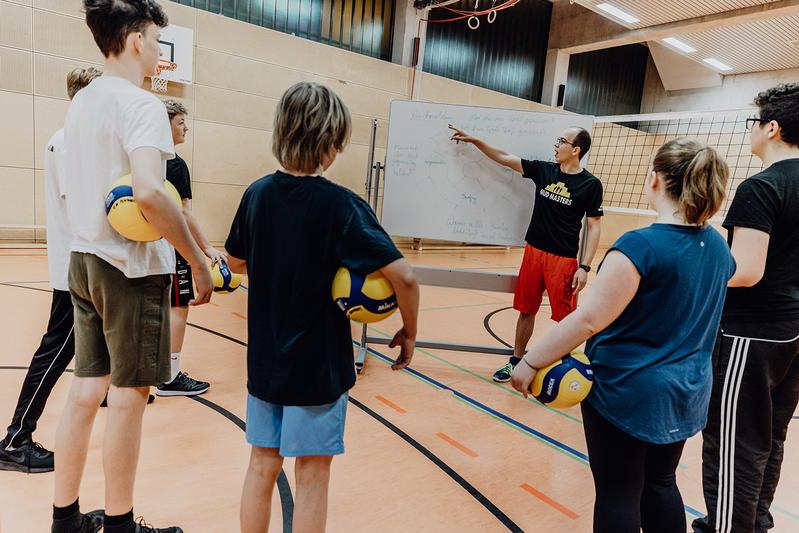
(437, 189)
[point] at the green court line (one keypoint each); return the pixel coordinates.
(783, 511)
(534, 437)
(489, 381)
(491, 415)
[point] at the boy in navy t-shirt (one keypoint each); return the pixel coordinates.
(292, 232)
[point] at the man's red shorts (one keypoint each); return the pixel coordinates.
(541, 270)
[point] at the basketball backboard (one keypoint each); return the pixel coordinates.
(177, 45)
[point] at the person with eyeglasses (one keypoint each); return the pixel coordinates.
(565, 193)
(756, 358)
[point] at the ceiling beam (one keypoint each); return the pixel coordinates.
(617, 35)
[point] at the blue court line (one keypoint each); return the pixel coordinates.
(568, 449)
(576, 453)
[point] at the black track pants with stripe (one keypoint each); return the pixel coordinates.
(755, 393)
(48, 364)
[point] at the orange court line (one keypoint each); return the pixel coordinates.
(549, 501)
(457, 444)
(239, 315)
(391, 404)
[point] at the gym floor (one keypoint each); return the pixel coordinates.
(438, 447)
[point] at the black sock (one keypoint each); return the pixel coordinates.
(60, 513)
(118, 520)
(515, 360)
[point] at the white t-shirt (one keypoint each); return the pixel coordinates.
(106, 122)
(58, 232)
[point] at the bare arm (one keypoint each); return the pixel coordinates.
(499, 155)
(749, 248)
(159, 209)
(194, 227)
(593, 229)
(593, 226)
(400, 274)
(611, 293)
(239, 266)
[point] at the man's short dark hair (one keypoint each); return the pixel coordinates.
(111, 21)
(582, 141)
(781, 103)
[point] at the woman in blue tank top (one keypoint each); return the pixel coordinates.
(650, 320)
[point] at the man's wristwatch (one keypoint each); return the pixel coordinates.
(587, 268)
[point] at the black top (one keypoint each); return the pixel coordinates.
(294, 234)
(769, 202)
(562, 201)
(177, 173)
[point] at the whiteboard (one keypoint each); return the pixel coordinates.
(437, 189)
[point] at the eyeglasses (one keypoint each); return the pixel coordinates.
(560, 141)
(750, 122)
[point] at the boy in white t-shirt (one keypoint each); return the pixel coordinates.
(18, 451)
(120, 288)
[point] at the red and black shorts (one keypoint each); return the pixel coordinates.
(544, 271)
(182, 285)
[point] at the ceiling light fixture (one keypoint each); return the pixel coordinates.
(679, 45)
(716, 63)
(618, 13)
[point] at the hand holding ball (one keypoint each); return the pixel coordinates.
(225, 280)
(564, 383)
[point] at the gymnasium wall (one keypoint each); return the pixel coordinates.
(735, 92)
(240, 70)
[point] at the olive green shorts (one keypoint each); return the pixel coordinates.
(121, 324)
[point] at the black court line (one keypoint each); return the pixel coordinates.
(283, 487)
(24, 287)
(487, 325)
(468, 487)
(212, 332)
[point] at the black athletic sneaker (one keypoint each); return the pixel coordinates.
(80, 523)
(104, 403)
(183, 385)
(30, 457)
(503, 374)
(144, 527)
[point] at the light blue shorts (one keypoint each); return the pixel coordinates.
(297, 430)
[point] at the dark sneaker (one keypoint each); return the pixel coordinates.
(79, 523)
(503, 374)
(150, 399)
(29, 457)
(183, 385)
(144, 527)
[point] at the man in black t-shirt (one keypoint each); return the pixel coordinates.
(756, 360)
(566, 193)
(182, 293)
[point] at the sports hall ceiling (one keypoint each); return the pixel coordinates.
(746, 35)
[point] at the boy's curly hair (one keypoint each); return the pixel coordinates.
(781, 104)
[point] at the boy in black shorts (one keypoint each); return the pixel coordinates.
(182, 292)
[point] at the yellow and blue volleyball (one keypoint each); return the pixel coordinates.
(225, 280)
(364, 299)
(126, 217)
(564, 383)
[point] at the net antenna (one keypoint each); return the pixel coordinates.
(157, 83)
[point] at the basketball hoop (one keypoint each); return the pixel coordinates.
(157, 83)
